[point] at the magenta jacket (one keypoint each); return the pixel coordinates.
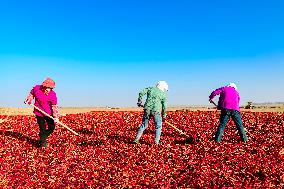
(229, 98)
(42, 101)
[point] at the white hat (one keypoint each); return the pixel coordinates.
(163, 86)
(233, 85)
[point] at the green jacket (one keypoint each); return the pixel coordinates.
(155, 102)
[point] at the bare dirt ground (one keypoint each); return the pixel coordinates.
(76, 110)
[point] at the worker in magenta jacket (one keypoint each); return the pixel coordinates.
(229, 105)
(46, 100)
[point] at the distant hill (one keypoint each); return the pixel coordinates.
(268, 103)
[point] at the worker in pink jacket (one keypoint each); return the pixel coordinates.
(229, 105)
(46, 100)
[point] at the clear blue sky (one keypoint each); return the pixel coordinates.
(102, 52)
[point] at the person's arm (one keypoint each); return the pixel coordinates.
(55, 108)
(140, 97)
(215, 93)
(164, 107)
(29, 98)
(56, 114)
(239, 98)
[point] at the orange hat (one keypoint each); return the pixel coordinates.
(48, 83)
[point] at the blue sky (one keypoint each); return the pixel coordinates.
(102, 52)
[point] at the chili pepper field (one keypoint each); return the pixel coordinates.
(104, 156)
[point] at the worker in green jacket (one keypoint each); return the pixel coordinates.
(155, 106)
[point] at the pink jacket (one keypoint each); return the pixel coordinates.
(229, 98)
(47, 103)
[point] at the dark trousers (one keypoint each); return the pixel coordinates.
(43, 132)
(226, 114)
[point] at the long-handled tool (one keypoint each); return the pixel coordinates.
(60, 123)
(6, 119)
(211, 101)
(180, 131)
(189, 139)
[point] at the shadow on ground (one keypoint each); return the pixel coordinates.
(20, 137)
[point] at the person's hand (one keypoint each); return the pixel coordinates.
(139, 104)
(29, 99)
(28, 102)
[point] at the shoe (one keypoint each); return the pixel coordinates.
(43, 144)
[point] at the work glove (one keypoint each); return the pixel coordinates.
(140, 103)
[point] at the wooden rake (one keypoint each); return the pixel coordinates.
(6, 119)
(60, 123)
(189, 139)
(174, 127)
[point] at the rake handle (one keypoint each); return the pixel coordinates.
(181, 132)
(212, 102)
(60, 123)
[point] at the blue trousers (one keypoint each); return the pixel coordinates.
(144, 125)
(226, 114)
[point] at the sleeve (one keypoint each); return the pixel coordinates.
(54, 106)
(142, 93)
(164, 107)
(54, 99)
(30, 97)
(215, 93)
(239, 98)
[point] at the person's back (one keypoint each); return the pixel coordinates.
(229, 98)
(155, 99)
